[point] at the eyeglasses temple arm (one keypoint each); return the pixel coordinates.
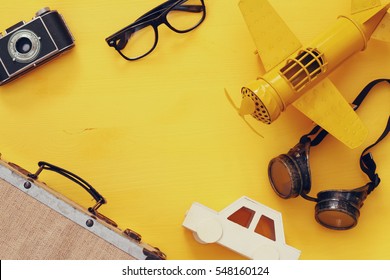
(189, 8)
(164, 6)
(154, 12)
(149, 15)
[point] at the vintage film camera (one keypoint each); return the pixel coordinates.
(24, 46)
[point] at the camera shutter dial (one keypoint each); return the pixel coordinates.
(42, 11)
(24, 46)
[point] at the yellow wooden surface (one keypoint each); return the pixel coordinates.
(157, 134)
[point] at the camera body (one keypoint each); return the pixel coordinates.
(24, 46)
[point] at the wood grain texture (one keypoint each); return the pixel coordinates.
(155, 135)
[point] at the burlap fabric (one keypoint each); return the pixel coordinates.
(31, 230)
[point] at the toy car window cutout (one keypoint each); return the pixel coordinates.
(266, 227)
(242, 216)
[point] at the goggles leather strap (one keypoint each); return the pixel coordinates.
(359, 99)
(367, 163)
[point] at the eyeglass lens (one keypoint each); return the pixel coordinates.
(140, 42)
(186, 15)
(183, 17)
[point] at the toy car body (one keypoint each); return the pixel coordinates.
(245, 226)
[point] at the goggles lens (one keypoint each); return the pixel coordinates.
(289, 174)
(280, 177)
(335, 212)
(335, 219)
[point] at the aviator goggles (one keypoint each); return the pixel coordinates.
(289, 175)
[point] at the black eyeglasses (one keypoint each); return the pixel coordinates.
(140, 38)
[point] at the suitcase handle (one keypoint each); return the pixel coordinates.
(100, 200)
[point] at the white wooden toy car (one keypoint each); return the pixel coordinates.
(245, 226)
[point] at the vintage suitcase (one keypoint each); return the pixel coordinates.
(39, 223)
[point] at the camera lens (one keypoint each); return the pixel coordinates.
(23, 45)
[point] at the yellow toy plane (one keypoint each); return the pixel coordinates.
(298, 75)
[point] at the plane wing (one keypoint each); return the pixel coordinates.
(361, 5)
(279, 42)
(329, 109)
(382, 33)
(273, 39)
